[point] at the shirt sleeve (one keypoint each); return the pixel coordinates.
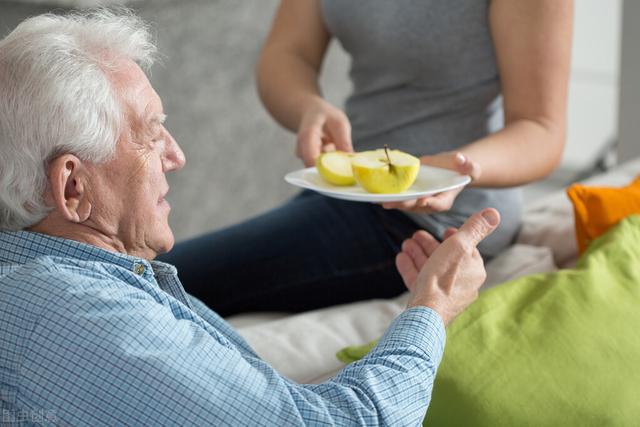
(216, 321)
(125, 359)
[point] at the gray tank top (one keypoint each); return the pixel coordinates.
(425, 80)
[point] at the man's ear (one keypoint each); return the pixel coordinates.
(67, 188)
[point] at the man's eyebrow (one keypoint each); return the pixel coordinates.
(154, 122)
(158, 118)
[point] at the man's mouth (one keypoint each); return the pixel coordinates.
(161, 198)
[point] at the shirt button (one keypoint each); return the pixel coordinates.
(138, 269)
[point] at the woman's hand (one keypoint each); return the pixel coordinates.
(323, 128)
(441, 202)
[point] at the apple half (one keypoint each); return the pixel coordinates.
(385, 171)
(335, 168)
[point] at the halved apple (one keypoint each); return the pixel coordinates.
(335, 167)
(385, 171)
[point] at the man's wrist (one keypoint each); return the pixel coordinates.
(429, 303)
(418, 326)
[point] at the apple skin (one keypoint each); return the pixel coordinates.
(376, 175)
(335, 168)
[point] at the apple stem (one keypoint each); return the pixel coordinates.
(386, 151)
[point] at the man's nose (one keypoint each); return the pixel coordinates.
(173, 158)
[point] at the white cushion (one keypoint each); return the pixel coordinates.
(549, 223)
(517, 261)
(303, 346)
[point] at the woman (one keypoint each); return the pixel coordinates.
(475, 86)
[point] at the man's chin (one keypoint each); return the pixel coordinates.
(164, 245)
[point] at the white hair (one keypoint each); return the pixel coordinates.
(56, 98)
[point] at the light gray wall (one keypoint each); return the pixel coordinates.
(592, 119)
(236, 154)
(629, 131)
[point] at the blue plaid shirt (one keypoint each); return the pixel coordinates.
(92, 337)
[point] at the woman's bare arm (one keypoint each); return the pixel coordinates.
(290, 62)
(532, 40)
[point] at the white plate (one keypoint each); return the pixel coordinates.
(430, 181)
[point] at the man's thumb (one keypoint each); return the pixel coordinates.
(478, 226)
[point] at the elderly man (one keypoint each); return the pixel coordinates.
(92, 331)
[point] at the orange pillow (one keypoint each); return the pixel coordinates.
(599, 208)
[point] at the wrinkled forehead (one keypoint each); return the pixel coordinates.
(135, 92)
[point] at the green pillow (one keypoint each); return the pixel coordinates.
(556, 349)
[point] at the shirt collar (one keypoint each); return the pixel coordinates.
(20, 247)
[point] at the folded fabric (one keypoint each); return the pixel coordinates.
(550, 349)
(597, 209)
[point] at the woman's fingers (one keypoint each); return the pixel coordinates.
(443, 201)
(309, 144)
(328, 147)
(439, 203)
(404, 205)
(454, 161)
(339, 130)
(323, 128)
(422, 204)
(465, 166)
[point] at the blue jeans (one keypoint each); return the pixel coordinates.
(311, 252)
